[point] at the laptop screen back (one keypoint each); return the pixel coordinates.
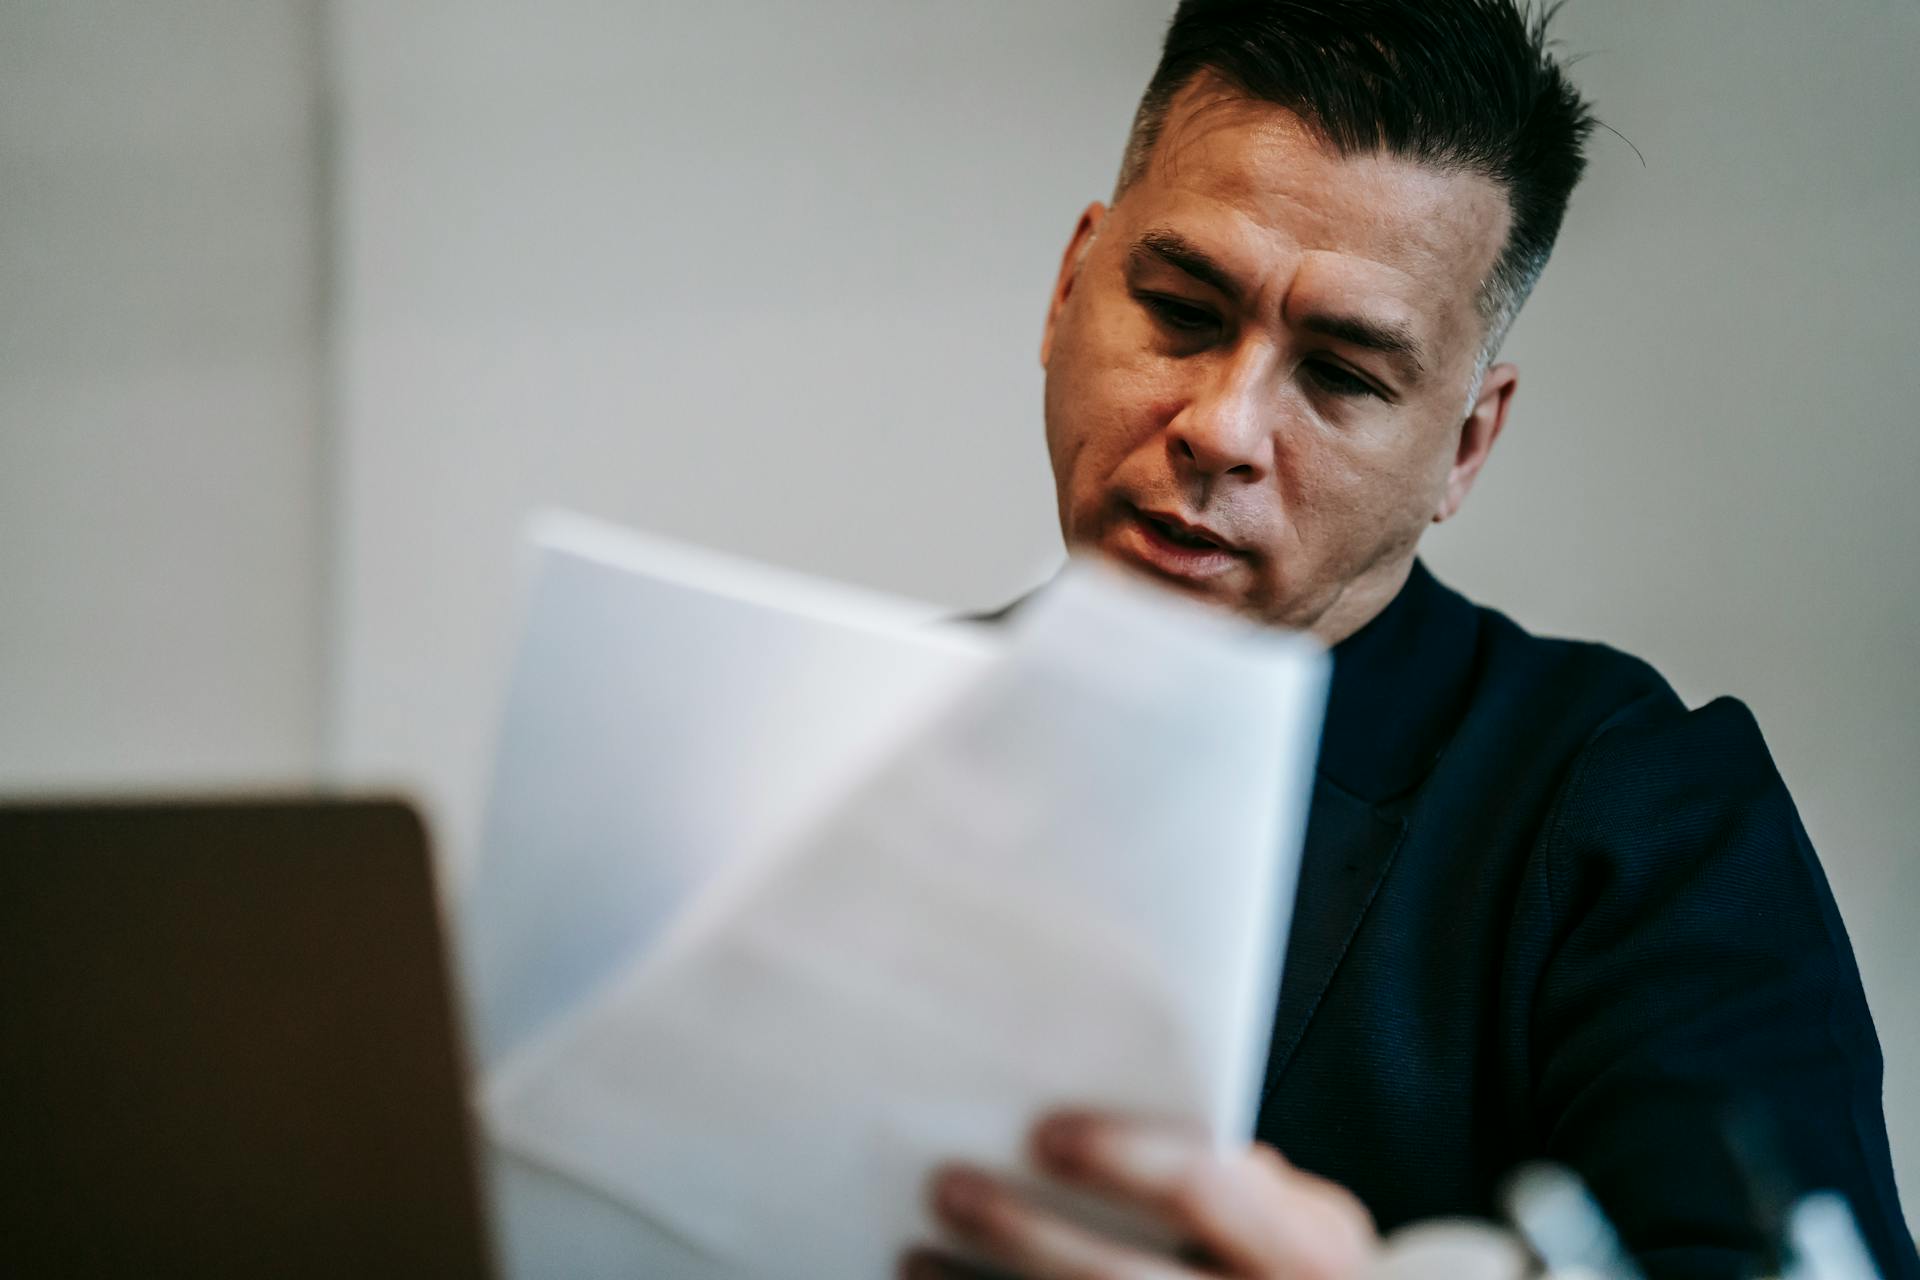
(227, 1045)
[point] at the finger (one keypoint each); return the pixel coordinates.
(1249, 1208)
(925, 1264)
(996, 1220)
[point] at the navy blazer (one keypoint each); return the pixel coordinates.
(1546, 911)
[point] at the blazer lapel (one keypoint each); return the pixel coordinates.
(1399, 686)
(1349, 847)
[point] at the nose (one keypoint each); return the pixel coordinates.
(1226, 428)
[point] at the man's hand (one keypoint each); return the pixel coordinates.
(1244, 1213)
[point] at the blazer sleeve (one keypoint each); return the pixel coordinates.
(1698, 970)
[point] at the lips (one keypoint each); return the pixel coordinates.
(1185, 534)
(1172, 548)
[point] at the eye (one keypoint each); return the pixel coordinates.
(1340, 380)
(1179, 316)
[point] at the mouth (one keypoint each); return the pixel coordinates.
(1175, 548)
(1183, 534)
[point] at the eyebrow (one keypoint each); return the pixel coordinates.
(1388, 339)
(1175, 250)
(1183, 254)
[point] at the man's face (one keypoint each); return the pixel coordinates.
(1268, 348)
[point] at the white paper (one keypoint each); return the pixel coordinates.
(669, 709)
(1062, 875)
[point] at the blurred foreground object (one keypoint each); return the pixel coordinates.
(981, 901)
(1553, 1209)
(1453, 1249)
(228, 1045)
(1556, 1213)
(1824, 1241)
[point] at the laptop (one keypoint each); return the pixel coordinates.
(229, 1046)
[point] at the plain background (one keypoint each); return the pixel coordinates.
(304, 304)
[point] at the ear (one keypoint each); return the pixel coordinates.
(1070, 262)
(1477, 434)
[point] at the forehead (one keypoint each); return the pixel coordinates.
(1264, 191)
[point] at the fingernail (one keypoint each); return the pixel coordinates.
(1060, 1141)
(918, 1266)
(961, 1195)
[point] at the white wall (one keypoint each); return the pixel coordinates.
(161, 557)
(770, 276)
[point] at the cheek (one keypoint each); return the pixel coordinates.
(1101, 409)
(1356, 496)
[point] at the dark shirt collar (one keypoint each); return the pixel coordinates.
(1400, 684)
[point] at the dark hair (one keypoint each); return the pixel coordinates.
(1461, 84)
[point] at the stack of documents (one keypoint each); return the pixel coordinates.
(789, 894)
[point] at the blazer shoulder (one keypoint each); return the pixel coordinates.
(1634, 717)
(1584, 688)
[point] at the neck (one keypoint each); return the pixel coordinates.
(1361, 601)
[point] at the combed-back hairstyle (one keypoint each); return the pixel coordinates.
(1460, 84)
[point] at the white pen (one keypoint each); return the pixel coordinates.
(1553, 1210)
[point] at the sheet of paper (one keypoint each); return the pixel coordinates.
(1068, 879)
(669, 709)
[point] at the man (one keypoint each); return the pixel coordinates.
(1545, 910)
